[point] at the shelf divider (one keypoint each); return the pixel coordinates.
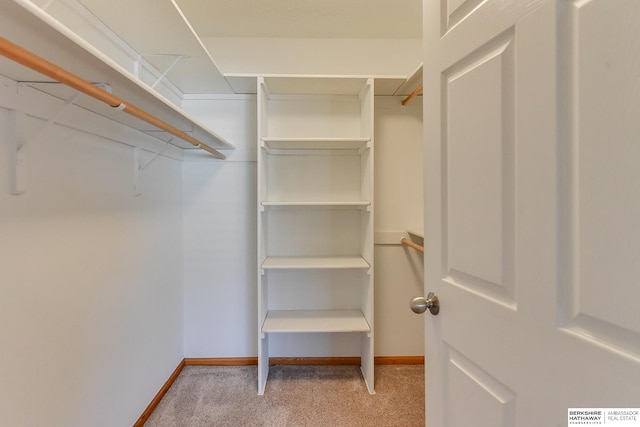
(300, 262)
(304, 143)
(292, 321)
(319, 204)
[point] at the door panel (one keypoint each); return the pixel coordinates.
(603, 153)
(478, 185)
(454, 11)
(532, 209)
(469, 385)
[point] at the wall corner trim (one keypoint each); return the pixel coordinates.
(158, 397)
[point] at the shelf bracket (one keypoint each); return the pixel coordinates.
(64, 107)
(15, 141)
(47, 4)
(15, 156)
(138, 167)
(53, 119)
(141, 56)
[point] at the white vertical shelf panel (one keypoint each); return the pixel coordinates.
(262, 280)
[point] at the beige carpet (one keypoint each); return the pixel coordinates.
(295, 396)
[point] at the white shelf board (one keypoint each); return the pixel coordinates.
(166, 31)
(292, 321)
(383, 85)
(319, 204)
(28, 26)
(418, 232)
(411, 83)
(293, 143)
(299, 262)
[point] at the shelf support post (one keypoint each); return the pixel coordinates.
(136, 171)
(15, 143)
(15, 155)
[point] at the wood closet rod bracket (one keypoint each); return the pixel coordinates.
(409, 243)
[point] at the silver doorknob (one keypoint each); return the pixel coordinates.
(421, 304)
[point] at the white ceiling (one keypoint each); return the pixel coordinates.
(370, 19)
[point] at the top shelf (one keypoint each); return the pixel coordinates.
(384, 85)
(28, 26)
(418, 232)
(411, 84)
(315, 85)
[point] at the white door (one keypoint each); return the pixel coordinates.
(532, 209)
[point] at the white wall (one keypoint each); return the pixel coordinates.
(399, 270)
(90, 277)
(220, 211)
(315, 56)
(219, 199)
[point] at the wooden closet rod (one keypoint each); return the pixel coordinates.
(404, 241)
(412, 95)
(41, 65)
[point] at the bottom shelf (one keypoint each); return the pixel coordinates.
(291, 321)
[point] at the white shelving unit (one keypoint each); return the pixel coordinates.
(315, 212)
